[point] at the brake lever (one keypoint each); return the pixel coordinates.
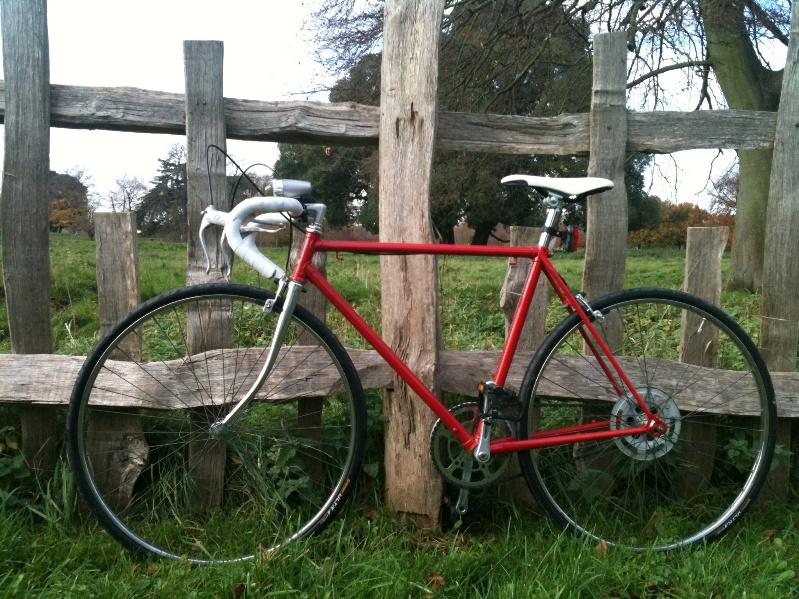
(212, 216)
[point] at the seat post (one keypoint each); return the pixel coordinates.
(554, 204)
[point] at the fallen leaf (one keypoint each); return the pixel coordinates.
(770, 534)
(436, 582)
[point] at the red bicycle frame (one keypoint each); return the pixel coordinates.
(305, 271)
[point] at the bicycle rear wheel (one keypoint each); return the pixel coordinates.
(140, 439)
(695, 367)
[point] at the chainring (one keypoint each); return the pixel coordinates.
(454, 463)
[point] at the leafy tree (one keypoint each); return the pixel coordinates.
(720, 45)
(465, 186)
(504, 57)
(643, 210)
(69, 208)
(334, 172)
(162, 210)
(673, 228)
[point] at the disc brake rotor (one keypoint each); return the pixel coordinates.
(458, 466)
(627, 414)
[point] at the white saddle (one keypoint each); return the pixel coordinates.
(573, 187)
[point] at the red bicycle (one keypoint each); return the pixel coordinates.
(646, 418)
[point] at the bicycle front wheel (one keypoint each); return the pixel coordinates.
(161, 478)
(697, 369)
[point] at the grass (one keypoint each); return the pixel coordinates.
(49, 549)
(371, 552)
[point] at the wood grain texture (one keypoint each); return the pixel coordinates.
(117, 448)
(309, 410)
(409, 284)
(533, 332)
(780, 323)
(207, 184)
(25, 204)
(779, 329)
(535, 324)
(698, 345)
(606, 226)
(47, 379)
(348, 123)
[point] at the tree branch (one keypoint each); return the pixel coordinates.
(671, 67)
(762, 16)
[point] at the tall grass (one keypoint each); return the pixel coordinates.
(49, 548)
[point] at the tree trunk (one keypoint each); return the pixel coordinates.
(408, 115)
(481, 234)
(747, 85)
(25, 207)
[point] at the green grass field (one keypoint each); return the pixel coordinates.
(502, 549)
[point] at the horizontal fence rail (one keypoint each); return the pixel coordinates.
(47, 379)
(146, 111)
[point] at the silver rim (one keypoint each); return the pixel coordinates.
(731, 433)
(300, 515)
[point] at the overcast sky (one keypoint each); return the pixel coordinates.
(140, 44)
(268, 56)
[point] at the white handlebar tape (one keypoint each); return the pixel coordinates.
(245, 247)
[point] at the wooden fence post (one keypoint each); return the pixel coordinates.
(25, 207)
(205, 124)
(116, 440)
(409, 283)
(779, 333)
(703, 252)
(535, 326)
(309, 409)
(606, 228)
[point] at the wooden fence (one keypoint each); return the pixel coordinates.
(30, 105)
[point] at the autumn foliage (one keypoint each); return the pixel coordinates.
(674, 222)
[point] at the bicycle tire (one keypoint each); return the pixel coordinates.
(282, 469)
(645, 492)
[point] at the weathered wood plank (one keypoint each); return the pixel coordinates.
(148, 111)
(606, 226)
(117, 448)
(47, 379)
(779, 332)
(533, 332)
(666, 131)
(409, 284)
(535, 323)
(698, 345)
(25, 209)
(206, 184)
(509, 134)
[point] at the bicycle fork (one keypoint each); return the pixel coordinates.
(292, 288)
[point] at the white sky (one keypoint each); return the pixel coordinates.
(140, 44)
(268, 56)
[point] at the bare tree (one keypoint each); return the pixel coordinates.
(720, 47)
(127, 195)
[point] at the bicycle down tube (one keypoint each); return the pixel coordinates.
(305, 271)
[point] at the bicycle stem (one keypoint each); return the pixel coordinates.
(292, 289)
